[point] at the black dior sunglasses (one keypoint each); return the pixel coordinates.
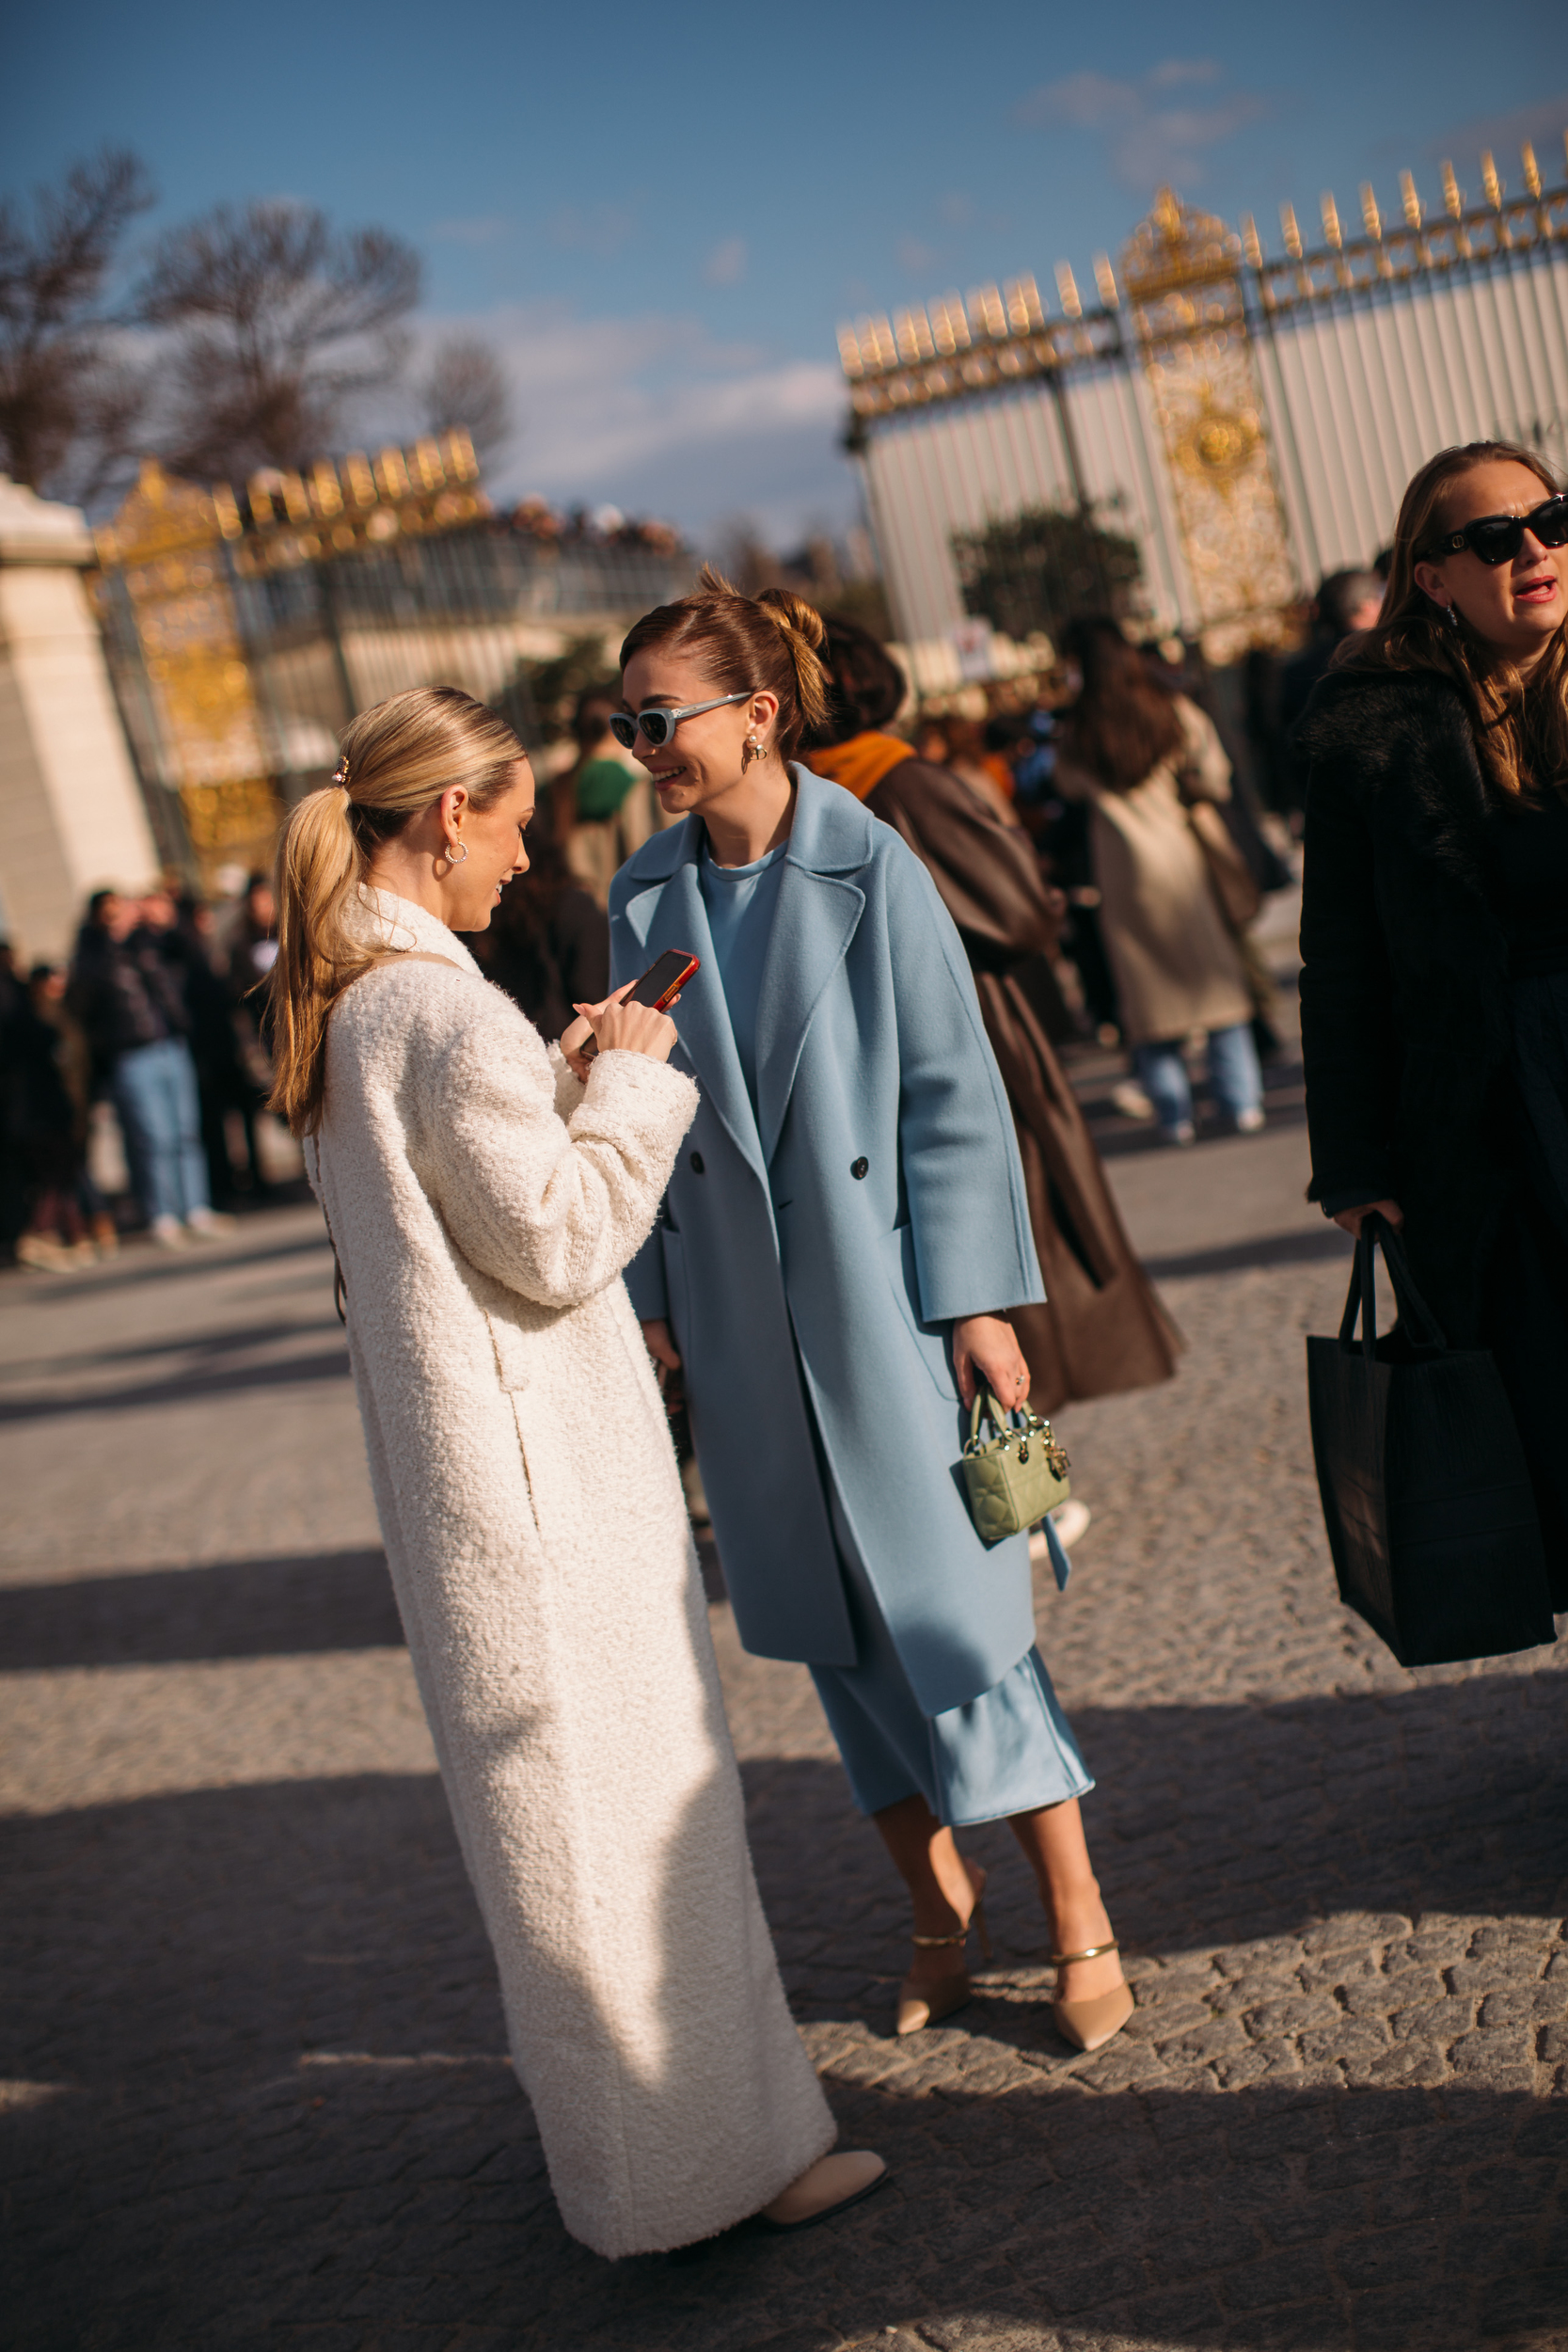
(1497, 538)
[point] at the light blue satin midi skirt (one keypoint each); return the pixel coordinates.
(1007, 1752)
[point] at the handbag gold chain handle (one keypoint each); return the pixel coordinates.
(1006, 1436)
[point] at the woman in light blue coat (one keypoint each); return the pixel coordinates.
(844, 1232)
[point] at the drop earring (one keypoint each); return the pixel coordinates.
(457, 852)
(1451, 616)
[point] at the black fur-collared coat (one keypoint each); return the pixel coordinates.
(1406, 1020)
(1405, 990)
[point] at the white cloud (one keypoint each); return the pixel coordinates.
(726, 264)
(1178, 71)
(1149, 139)
(485, 230)
(601, 229)
(652, 414)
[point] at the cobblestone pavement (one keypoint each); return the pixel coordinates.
(253, 2088)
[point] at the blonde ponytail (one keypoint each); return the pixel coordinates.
(746, 643)
(397, 757)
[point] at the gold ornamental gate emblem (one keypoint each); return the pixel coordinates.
(1182, 272)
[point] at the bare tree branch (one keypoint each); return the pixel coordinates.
(281, 321)
(66, 402)
(465, 385)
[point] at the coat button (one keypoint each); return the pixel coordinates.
(859, 1168)
(696, 1162)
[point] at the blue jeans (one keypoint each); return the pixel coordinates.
(1234, 1075)
(154, 1092)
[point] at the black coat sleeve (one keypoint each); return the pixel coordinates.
(1346, 1002)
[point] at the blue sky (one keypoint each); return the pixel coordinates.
(660, 214)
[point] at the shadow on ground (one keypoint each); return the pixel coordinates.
(255, 2094)
(145, 1264)
(337, 1600)
(205, 1379)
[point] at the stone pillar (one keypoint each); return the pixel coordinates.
(71, 817)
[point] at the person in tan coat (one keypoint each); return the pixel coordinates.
(1144, 757)
(482, 1193)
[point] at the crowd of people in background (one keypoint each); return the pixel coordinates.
(159, 1015)
(1153, 878)
(1153, 852)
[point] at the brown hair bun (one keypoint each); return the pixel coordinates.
(745, 643)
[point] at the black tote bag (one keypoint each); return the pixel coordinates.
(1426, 1495)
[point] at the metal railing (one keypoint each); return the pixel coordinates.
(1249, 420)
(240, 641)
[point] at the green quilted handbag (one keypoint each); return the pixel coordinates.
(1014, 1478)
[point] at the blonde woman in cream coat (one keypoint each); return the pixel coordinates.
(483, 1201)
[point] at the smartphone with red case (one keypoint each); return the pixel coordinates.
(658, 986)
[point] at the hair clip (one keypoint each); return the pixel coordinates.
(340, 774)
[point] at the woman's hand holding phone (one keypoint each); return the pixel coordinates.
(616, 1025)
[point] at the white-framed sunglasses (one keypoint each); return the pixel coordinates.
(656, 727)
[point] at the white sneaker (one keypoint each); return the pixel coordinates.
(167, 1232)
(1248, 1122)
(47, 1254)
(1130, 1100)
(1180, 1136)
(208, 1224)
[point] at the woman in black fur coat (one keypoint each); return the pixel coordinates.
(1434, 929)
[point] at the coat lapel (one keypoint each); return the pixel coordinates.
(673, 915)
(818, 910)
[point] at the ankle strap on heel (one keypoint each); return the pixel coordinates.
(941, 1943)
(1062, 1960)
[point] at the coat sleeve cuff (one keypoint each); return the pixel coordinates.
(949, 1292)
(1346, 1186)
(661, 1102)
(1345, 1197)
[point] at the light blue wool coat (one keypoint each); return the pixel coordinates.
(875, 1196)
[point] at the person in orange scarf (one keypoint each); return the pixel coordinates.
(1102, 1328)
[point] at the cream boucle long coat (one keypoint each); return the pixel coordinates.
(482, 1204)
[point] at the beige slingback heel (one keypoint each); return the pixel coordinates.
(919, 2006)
(1089, 2025)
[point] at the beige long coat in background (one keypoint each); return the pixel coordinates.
(482, 1204)
(1175, 965)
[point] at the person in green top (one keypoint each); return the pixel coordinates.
(604, 809)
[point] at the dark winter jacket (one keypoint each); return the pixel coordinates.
(1405, 990)
(41, 1102)
(125, 994)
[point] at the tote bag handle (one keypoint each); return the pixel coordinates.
(1425, 1330)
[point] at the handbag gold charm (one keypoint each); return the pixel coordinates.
(1016, 1477)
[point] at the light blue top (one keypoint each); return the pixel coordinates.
(740, 901)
